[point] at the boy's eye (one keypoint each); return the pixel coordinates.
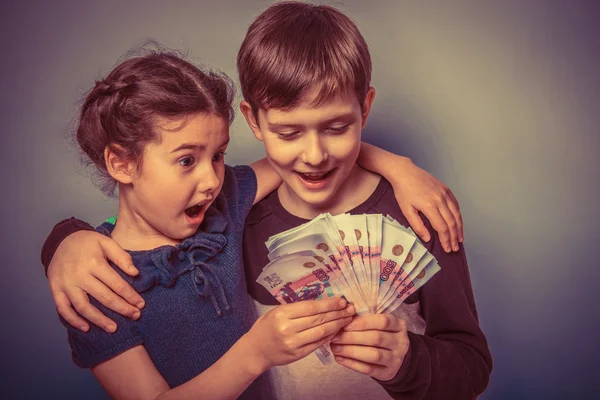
(219, 156)
(287, 135)
(338, 129)
(186, 161)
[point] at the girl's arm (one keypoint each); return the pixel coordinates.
(266, 177)
(132, 375)
(283, 335)
(417, 190)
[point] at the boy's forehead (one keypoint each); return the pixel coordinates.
(337, 103)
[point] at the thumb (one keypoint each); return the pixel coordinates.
(113, 252)
(416, 223)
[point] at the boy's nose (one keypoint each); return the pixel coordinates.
(314, 153)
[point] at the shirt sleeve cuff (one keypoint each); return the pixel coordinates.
(407, 369)
(59, 233)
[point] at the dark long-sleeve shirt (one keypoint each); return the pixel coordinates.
(449, 356)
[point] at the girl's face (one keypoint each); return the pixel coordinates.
(180, 176)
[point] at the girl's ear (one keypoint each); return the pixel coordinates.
(246, 109)
(119, 167)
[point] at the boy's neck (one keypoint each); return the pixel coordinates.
(357, 188)
(132, 232)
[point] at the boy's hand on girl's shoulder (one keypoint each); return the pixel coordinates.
(419, 191)
(290, 332)
(79, 268)
(373, 344)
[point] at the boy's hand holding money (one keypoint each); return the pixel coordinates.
(372, 344)
(290, 332)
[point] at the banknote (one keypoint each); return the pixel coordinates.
(297, 277)
(322, 236)
(372, 260)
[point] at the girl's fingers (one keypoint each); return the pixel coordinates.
(312, 307)
(416, 222)
(310, 347)
(319, 332)
(304, 323)
(455, 209)
(450, 223)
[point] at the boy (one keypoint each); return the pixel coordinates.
(305, 72)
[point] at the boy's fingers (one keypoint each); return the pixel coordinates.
(416, 223)
(319, 332)
(98, 290)
(378, 322)
(118, 256)
(113, 280)
(82, 305)
(381, 339)
(366, 354)
(312, 307)
(319, 319)
(376, 371)
(63, 306)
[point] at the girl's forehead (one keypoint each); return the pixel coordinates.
(200, 130)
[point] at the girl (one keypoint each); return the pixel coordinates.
(157, 128)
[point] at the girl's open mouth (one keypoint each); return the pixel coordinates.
(195, 213)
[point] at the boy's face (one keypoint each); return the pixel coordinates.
(313, 148)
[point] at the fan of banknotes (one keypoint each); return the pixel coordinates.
(372, 261)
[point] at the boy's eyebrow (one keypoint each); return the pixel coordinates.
(196, 146)
(342, 116)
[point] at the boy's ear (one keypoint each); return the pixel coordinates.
(246, 109)
(120, 168)
(366, 109)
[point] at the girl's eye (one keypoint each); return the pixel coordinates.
(340, 129)
(186, 161)
(219, 156)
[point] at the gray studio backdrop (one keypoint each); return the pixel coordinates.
(499, 99)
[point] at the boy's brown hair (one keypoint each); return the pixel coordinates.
(293, 48)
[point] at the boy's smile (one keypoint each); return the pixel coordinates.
(314, 148)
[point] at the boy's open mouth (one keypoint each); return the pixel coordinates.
(314, 176)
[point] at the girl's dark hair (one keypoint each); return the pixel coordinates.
(121, 110)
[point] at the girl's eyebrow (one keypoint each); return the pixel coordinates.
(196, 146)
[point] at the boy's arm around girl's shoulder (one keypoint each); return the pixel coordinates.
(452, 358)
(59, 232)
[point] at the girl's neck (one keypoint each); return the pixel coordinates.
(133, 232)
(356, 189)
